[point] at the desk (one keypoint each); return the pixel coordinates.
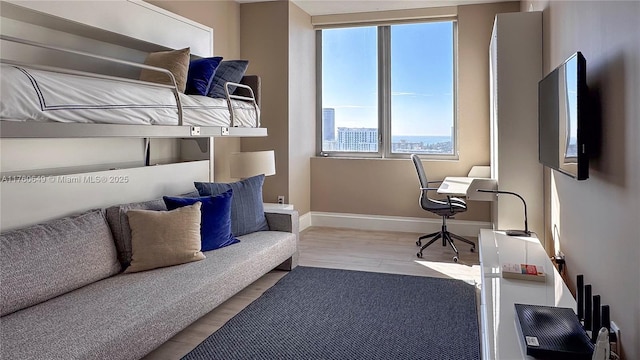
(500, 338)
(467, 186)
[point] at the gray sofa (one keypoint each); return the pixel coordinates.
(64, 296)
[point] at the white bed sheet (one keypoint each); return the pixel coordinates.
(37, 95)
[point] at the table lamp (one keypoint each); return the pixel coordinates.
(247, 164)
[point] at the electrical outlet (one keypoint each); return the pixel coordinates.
(280, 199)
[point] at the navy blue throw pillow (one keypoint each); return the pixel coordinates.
(215, 225)
(227, 71)
(200, 75)
(247, 211)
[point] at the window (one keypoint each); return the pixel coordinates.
(387, 91)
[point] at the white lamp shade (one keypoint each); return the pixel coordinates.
(248, 164)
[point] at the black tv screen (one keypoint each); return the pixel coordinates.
(563, 118)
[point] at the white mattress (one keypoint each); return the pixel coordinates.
(37, 95)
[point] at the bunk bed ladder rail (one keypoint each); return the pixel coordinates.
(172, 86)
(251, 99)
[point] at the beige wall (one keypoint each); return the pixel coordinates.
(278, 40)
(302, 103)
(264, 42)
(390, 186)
(224, 18)
(595, 222)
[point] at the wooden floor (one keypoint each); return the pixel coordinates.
(378, 251)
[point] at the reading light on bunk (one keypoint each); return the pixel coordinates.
(248, 164)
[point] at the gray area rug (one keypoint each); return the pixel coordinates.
(314, 313)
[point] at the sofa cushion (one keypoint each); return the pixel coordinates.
(119, 224)
(164, 238)
(46, 260)
(247, 211)
(215, 227)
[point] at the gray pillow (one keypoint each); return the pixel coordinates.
(247, 212)
(47, 260)
(190, 194)
(227, 71)
(119, 224)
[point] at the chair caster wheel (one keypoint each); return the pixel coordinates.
(418, 243)
(455, 259)
(419, 255)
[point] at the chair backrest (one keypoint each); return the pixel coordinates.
(422, 176)
(425, 202)
(435, 205)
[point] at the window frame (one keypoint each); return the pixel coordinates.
(384, 96)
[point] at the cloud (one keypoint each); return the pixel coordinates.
(402, 93)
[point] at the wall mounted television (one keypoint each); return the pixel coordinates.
(563, 124)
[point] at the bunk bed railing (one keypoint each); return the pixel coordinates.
(251, 99)
(21, 129)
(173, 86)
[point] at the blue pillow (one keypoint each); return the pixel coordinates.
(227, 71)
(215, 224)
(247, 212)
(200, 75)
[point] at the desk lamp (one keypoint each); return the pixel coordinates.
(524, 232)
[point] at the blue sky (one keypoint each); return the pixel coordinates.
(421, 77)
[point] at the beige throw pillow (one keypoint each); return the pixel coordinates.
(176, 61)
(164, 238)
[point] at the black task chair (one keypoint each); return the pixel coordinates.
(442, 207)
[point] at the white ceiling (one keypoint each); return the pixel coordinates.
(325, 7)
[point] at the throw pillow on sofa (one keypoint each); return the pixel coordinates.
(164, 238)
(119, 224)
(43, 261)
(215, 226)
(247, 211)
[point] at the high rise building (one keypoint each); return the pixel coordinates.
(357, 139)
(328, 124)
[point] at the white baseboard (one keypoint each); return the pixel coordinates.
(304, 221)
(391, 223)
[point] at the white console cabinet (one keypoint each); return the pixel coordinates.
(500, 338)
(515, 59)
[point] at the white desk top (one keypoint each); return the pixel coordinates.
(467, 186)
(500, 338)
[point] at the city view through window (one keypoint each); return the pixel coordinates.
(421, 91)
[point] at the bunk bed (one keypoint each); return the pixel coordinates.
(89, 30)
(47, 102)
